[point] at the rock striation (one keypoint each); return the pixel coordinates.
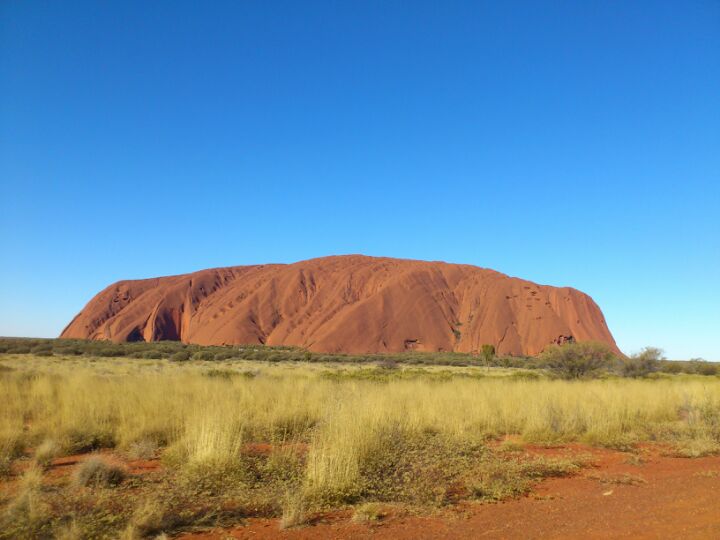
(349, 304)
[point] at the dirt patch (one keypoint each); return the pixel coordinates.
(642, 494)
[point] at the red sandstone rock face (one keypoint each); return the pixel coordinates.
(352, 304)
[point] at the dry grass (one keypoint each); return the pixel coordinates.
(97, 471)
(46, 452)
(149, 518)
(294, 512)
(368, 512)
(708, 474)
(619, 479)
(27, 515)
(408, 435)
(143, 449)
(699, 447)
(635, 459)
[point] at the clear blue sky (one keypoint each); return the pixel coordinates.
(570, 143)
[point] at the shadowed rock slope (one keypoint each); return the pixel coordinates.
(352, 304)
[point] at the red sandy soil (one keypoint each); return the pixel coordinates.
(57, 473)
(662, 497)
(63, 465)
(351, 304)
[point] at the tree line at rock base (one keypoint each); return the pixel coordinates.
(569, 360)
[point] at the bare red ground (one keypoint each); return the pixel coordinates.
(680, 498)
(63, 465)
(61, 468)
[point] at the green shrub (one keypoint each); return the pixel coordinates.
(577, 360)
(42, 350)
(642, 364)
(487, 352)
(110, 352)
(180, 356)
(702, 367)
(389, 363)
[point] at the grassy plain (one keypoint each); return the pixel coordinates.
(242, 438)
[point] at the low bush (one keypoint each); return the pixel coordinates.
(180, 356)
(487, 352)
(111, 351)
(497, 479)
(577, 360)
(42, 350)
(642, 364)
(98, 472)
(702, 367)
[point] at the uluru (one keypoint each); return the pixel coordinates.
(345, 304)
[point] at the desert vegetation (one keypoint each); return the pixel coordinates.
(102, 445)
(181, 352)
